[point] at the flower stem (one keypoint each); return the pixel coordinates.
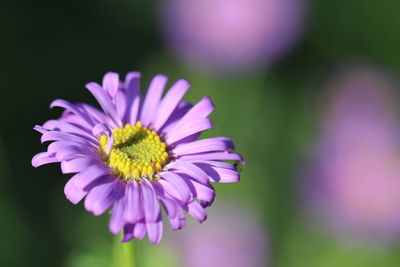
(123, 255)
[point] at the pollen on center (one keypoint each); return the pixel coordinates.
(137, 152)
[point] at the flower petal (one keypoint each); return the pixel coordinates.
(204, 145)
(117, 216)
(196, 211)
(66, 127)
(132, 85)
(62, 136)
(152, 99)
(219, 175)
(191, 169)
(72, 108)
(155, 231)
(140, 230)
(188, 129)
(111, 83)
(76, 165)
(174, 185)
(89, 175)
(202, 109)
(150, 204)
(177, 222)
(213, 156)
(43, 158)
(105, 102)
(134, 210)
(101, 197)
(170, 102)
(73, 193)
(204, 192)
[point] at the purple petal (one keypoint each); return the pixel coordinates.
(121, 104)
(117, 217)
(174, 185)
(205, 193)
(170, 206)
(66, 127)
(177, 222)
(150, 204)
(170, 102)
(74, 109)
(128, 233)
(152, 99)
(219, 175)
(134, 211)
(191, 169)
(188, 129)
(182, 108)
(70, 152)
(101, 129)
(132, 85)
(76, 165)
(137, 230)
(213, 156)
(140, 230)
(155, 231)
(196, 211)
(73, 193)
(43, 158)
(40, 129)
(62, 136)
(89, 175)
(204, 145)
(105, 102)
(219, 164)
(111, 83)
(96, 115)
(101, 197)
(202, 109)
(60, 146)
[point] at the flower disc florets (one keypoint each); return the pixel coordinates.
(136, 152)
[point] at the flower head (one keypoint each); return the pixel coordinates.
(137, 154)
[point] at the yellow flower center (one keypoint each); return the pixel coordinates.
(137, 152)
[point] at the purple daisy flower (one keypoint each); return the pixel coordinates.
(139, 154)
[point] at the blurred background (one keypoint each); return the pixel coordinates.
(308, 90)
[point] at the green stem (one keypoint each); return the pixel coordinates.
(123, 253)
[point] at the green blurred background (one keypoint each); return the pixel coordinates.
(50, 49)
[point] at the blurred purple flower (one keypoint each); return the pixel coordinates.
(357, 182)
(231, 237)
(232, 34)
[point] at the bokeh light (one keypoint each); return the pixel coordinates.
(231, 34)
(357, 169)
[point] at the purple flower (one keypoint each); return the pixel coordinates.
(232, 34)
(356, 186)
(136, 154)
(233, 236)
